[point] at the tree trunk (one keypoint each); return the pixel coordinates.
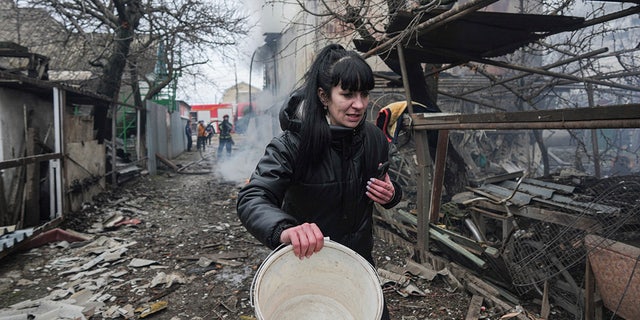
(129, 15)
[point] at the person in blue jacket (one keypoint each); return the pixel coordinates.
(319, 177)
(187, 132)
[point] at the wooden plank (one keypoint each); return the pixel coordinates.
(619, 116)
(27, 160)
(561, 218)
(4, 207)
(438, 175)
(167, 162)
(467, 243)
(31, 206)
(475, 289)
(425, 166)
(545, 309)
(445, 240)
(475, 305)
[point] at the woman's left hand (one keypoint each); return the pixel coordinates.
(380, 191)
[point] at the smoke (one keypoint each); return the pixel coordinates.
(249, 146)
(268, 17)
(271, 16)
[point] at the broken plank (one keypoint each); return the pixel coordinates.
(167, 162)
(189, 164)
(468, 277)
(475, 305)
(30, 159)
(560, 218)
(477, 290)
(446, 241)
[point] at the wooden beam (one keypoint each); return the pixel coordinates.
(618, 116)
(167, 162)
(473, 312)
(31, 206)
(424, 194)
(560, 218)
(438, 175)
(28, 160)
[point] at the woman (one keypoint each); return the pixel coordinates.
(317, 178)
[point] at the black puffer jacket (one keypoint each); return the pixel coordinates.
(332, 195)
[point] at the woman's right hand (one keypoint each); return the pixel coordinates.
(306, 239)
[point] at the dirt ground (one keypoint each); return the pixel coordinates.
(198, 260)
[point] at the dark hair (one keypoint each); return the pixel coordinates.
(333, 65)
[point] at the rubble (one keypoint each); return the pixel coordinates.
(200, 260)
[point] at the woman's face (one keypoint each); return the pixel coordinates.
(345, 108)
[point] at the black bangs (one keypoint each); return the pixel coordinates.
(353, 74)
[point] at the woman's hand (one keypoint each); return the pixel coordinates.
(306, 239)
(380, 191)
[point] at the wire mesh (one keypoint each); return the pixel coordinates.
(544, 251)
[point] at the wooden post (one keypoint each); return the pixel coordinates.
(438, 175)
(424, 193)
(594, 136)
(31, 209)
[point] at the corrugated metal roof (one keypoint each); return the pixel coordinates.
(478, 34)
(44, 88)
(11, 239)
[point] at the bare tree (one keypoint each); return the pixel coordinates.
(550, 73)
(140, 36)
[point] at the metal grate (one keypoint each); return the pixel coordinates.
(543, 251)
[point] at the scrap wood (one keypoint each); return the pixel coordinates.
(167, 162)
(475, 307)
(153, 308)
(467, 276)
(451, 279)
(477, 290)
(545, 309)
(444, 239)
(190, 164)
(113, 220)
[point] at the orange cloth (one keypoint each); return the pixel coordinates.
(201, 130)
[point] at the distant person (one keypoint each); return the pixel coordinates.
(210, 131)
(224, 138)
(202, 135)
(187, 132)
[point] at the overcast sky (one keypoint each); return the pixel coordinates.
(223, 72)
